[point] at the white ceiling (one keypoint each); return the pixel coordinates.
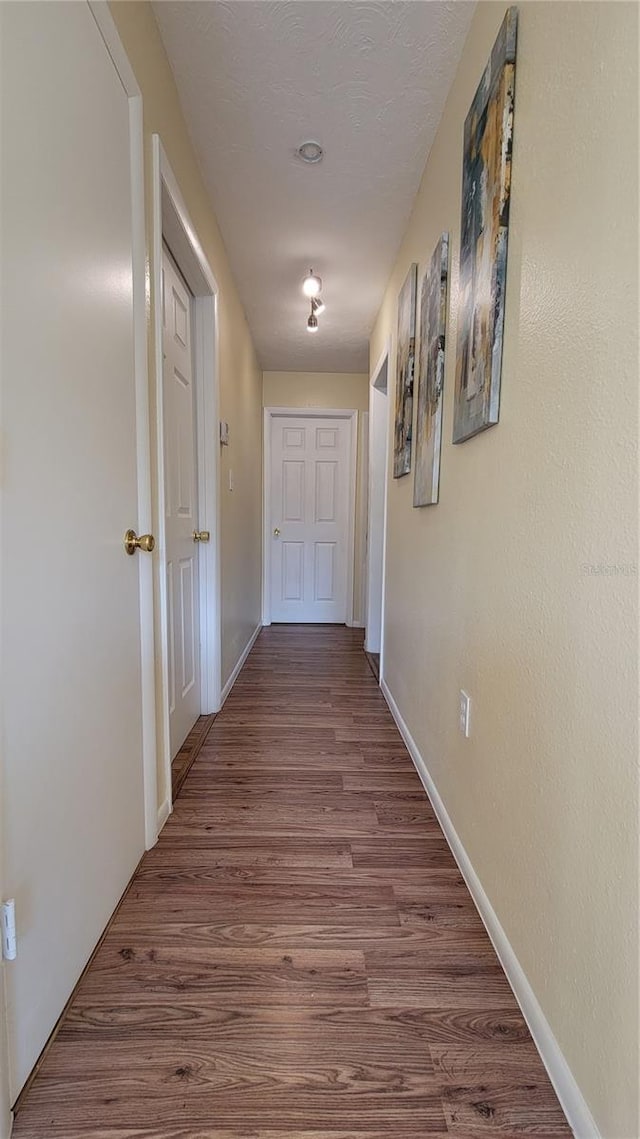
(366, 80)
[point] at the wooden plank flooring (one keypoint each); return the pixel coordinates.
(298, 957)
(182, 762)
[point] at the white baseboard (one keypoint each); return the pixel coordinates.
(571, 1099)
(355, 624)
(243, 656)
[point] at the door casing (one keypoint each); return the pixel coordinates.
(306, 413)
(377, 510)
(171, 222)
(363, 515)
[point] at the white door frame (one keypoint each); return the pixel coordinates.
(113, 43)
(383, 360)
(363, 515)
(172, 223)
(306, 413)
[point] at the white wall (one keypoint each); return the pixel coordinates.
(520, 586)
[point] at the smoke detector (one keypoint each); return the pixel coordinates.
(310, 152)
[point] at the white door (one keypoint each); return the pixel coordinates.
(73, 813)
(310, 507)
(181, 505)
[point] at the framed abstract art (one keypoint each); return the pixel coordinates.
(486, 191)
(430, 376)
(405, 361)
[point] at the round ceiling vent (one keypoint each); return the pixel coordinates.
(310, 152)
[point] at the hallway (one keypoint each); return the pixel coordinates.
(298, 956)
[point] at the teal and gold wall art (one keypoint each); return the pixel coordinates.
(430, 376)
(405, 360)
(486, 190)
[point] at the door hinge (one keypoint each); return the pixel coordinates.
(8, 928)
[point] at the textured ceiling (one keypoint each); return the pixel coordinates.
(369, 82)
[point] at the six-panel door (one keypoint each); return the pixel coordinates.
(181, 505)
(309, 516)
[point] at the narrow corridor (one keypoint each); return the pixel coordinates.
(298, 956)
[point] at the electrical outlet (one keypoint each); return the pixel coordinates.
(465, 713)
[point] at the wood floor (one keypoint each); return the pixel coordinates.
(298, 957)
(374, 663)
(182, 762)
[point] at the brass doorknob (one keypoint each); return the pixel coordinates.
(276, 532)
(132, 542)
(201, 535)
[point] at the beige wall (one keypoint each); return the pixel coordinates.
(336, 390)
(316, 389)
(240, 376)
(492, 590)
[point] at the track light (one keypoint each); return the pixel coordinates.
(312, 284)
(317, 305)
(312, 323)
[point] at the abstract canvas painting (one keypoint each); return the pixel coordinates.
(430, 376)
(486, 187)
(404, 374)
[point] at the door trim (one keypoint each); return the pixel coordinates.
(113, 44)
(171, 222)
(363, 516)
(306, 413)
(384, 359)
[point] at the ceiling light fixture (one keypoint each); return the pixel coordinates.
(310, 152)
(312, 284)
(312, 323)
(317, 305)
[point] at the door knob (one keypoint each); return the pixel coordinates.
(276, 533)
(201, 535)
(132, 542)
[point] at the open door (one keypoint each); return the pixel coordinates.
(73, 810)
